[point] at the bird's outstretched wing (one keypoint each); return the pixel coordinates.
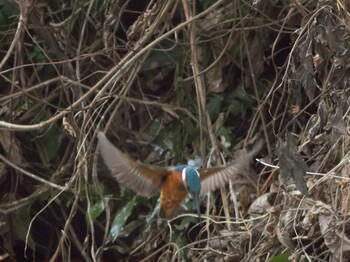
(145, 180)
(217, 177)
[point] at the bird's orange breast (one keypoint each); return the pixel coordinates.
(172, 194)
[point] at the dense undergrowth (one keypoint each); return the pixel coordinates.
(173, 81)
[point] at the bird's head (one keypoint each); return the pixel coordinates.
(192, 182)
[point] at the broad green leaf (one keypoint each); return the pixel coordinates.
(36, 55)
(155, 128)
(281, 258)
(96, 210)
(165, 56)
(120, 219)
(189, 129)
(48, 144)
(214, 106)
(21, 219)
(8, 13)
(181, 240)
(24, 107)
(47, 141)
(185, 221)
(227, 133)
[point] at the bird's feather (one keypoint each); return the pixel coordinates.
(145, 180)
(217, 177)
(172, 194)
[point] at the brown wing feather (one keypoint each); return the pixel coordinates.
(217, 177)
(143, 179)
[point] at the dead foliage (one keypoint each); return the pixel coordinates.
(172, 81)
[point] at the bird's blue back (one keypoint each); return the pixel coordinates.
(193, 182)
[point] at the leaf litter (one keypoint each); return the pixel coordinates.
(279, 68)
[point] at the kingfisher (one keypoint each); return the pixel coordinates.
(173, 183)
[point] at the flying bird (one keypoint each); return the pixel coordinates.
(173, 183)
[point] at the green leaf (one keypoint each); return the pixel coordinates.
(36, 54)
(47, 141)
(165, 56)
(190, 129)
(49, 144)
(96, 210)
(226, 132)
(238, 101)
(185, 221)
(155, 128)
(8, 12)
(120, 219)
(21, 220)
(214, 106)
(181, 240)
(281, 258)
